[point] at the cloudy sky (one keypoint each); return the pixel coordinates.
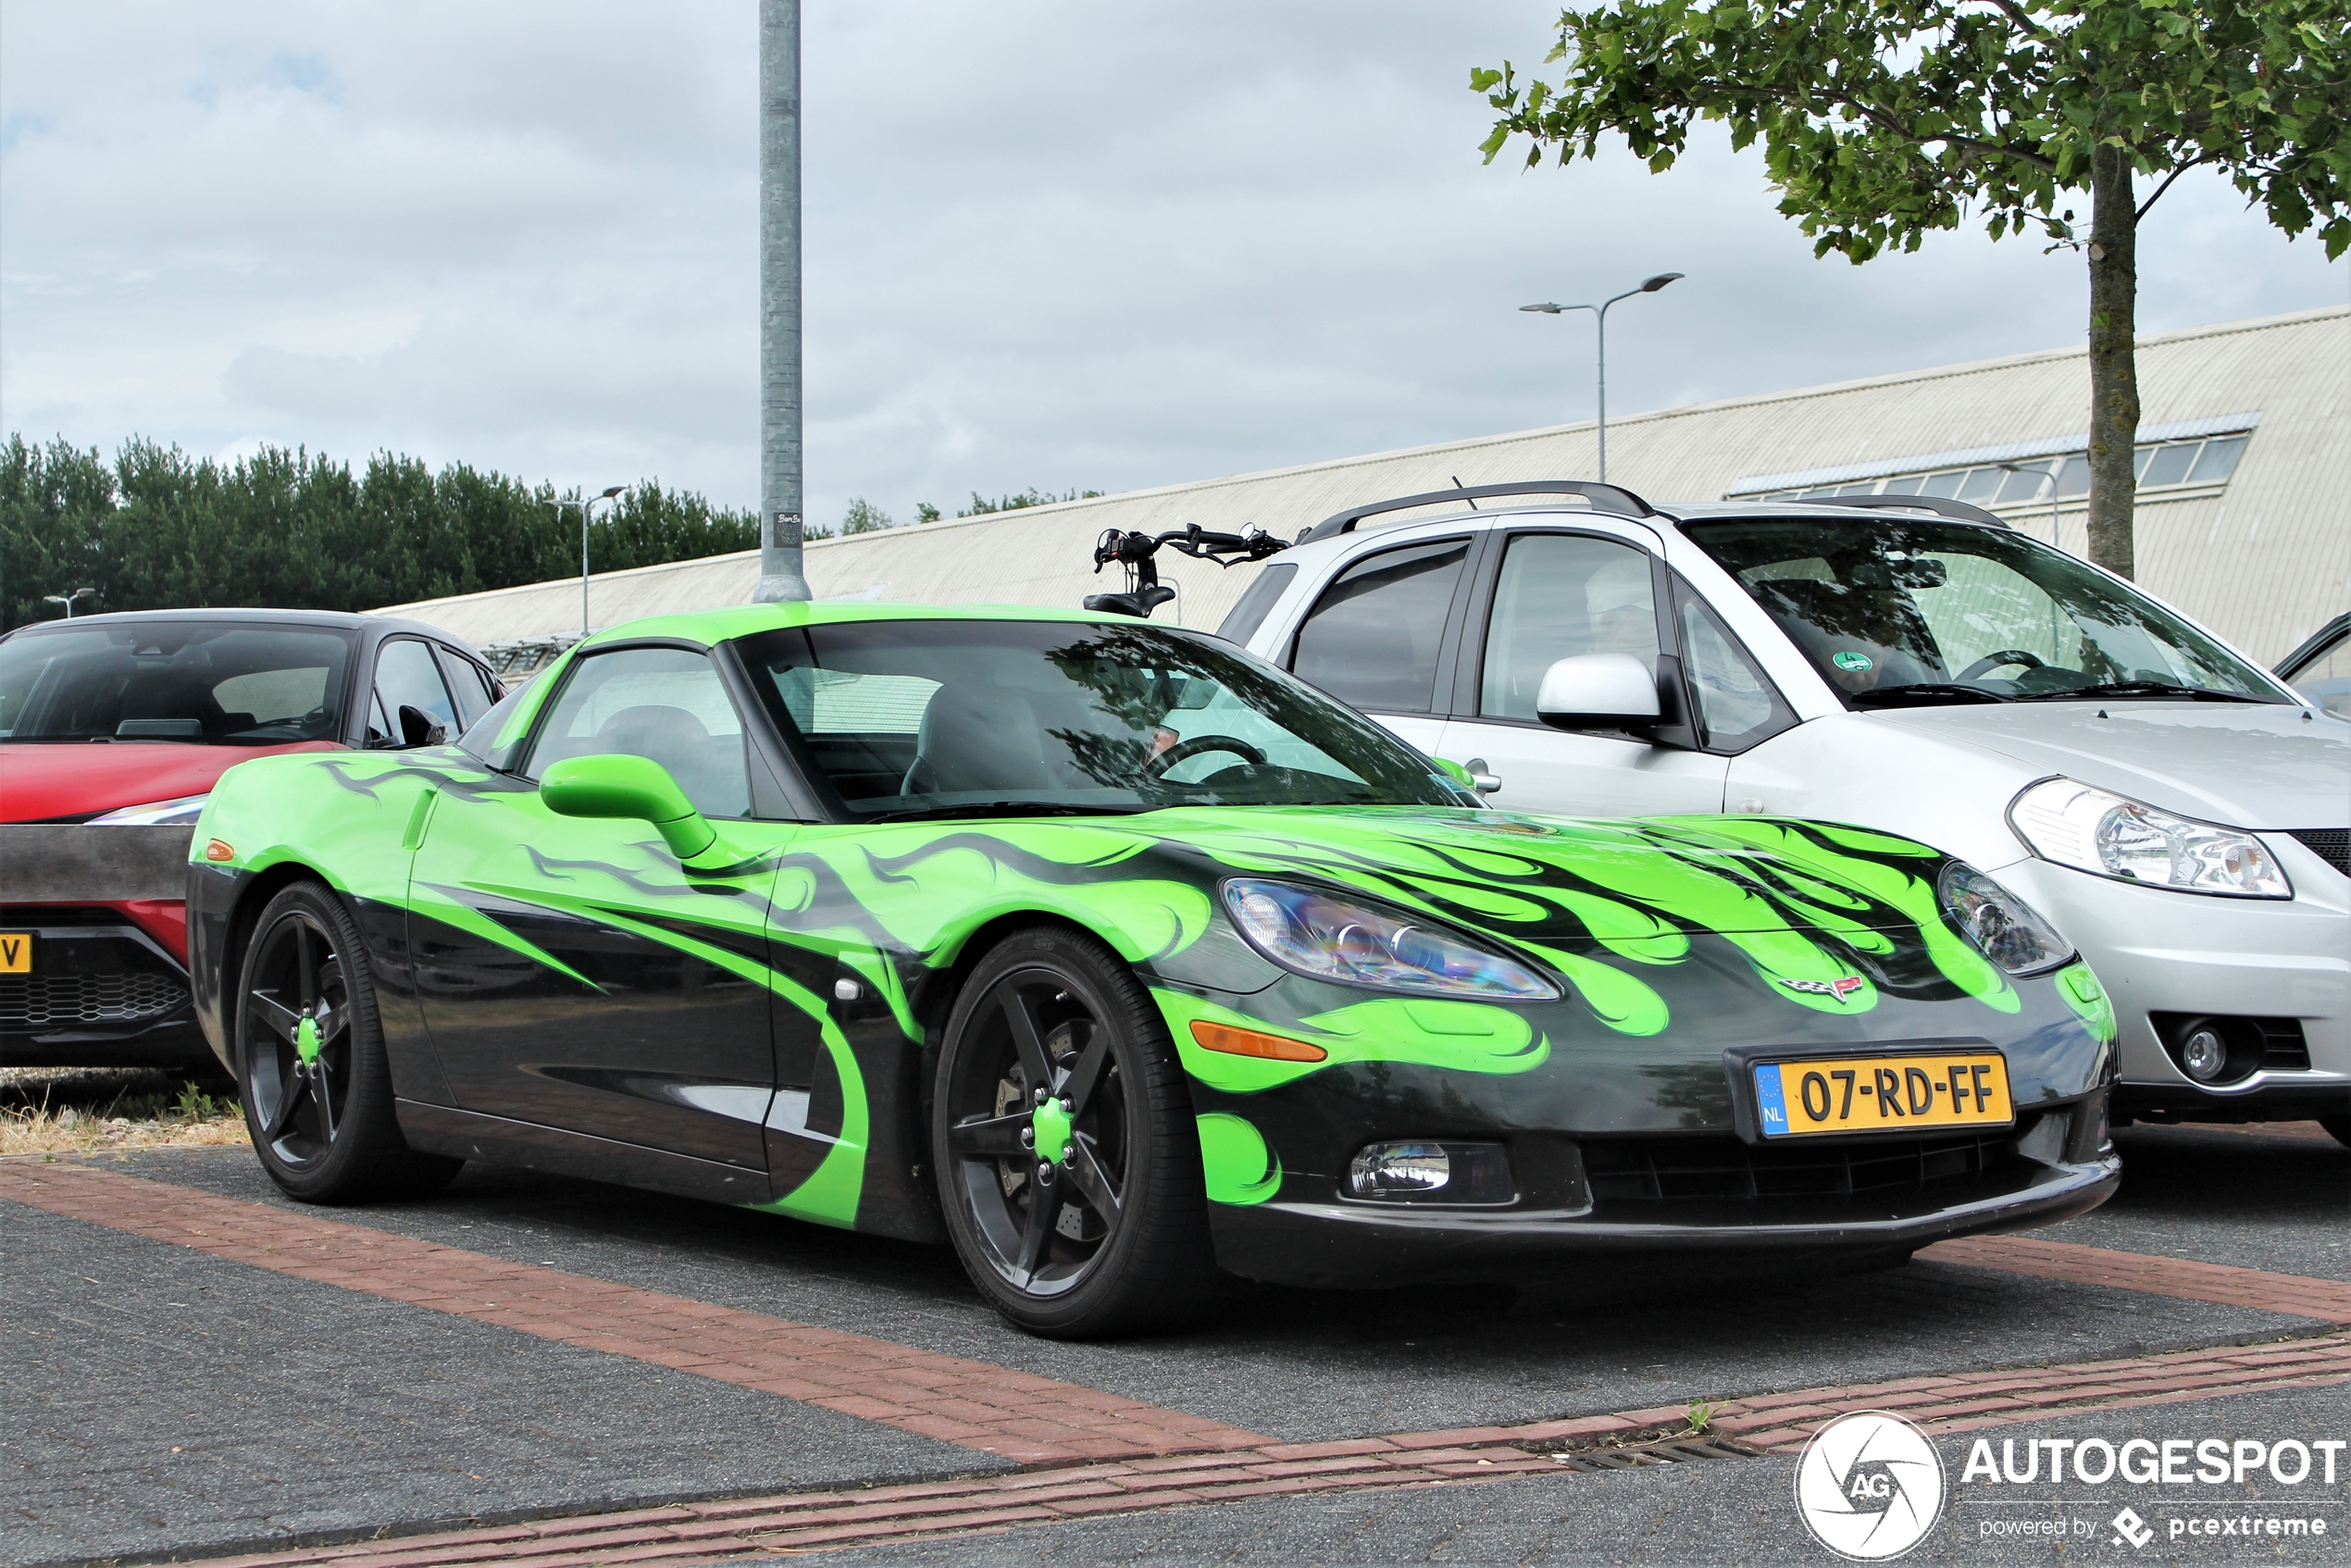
(1049, 242)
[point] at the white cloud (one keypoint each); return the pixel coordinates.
(1048, 242)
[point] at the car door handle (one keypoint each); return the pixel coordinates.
(1484, 783)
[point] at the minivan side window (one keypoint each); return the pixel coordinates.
(1737, 704)
(1245, 617)
(1374, 638)
(1561, 594)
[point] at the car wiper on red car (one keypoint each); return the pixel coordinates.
(1004, 808)
(2139, 689)
(1922, 692)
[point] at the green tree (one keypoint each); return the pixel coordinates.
(982, 506)
(155, 529)
(863, 517)
(1883, 120)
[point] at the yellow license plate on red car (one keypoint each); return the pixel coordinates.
(15, 953)
(1826, 1094)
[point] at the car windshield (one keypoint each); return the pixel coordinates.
(944, 718)
(1898, 613)
(199, 682)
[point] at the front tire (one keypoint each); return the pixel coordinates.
(310, 1059)
(1054, 1041)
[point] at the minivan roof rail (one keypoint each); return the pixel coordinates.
(1603, 497)
(1960, 511)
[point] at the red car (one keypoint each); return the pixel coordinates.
(113, 728)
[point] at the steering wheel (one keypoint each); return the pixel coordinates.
(1157, 766)
(2005, 657)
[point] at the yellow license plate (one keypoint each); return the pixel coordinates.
(1881, 1093)
(15, 953)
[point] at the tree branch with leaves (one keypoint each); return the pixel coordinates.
(1884, 121)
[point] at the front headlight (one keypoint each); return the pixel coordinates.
(1329, 938)
(2003, 927)
(182, 813)
(2110, 835)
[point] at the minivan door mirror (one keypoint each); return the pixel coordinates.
(1597, 691)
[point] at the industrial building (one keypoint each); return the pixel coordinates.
(2243, 515)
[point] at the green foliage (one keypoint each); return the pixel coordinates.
(863, 517)
(1884, 120)
(156, 529)
(1032, 496)
(925, 512)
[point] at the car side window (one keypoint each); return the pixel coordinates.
(406, 676)
(667, 704)
(1558, 595)
(1374, 636)
(1737, 704)
(469, 684)
(2325, 677)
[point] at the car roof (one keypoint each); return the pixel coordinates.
(712, 627)
(339, 620)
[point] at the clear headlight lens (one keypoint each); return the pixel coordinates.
(2096, 831)
(1330, 937)
(182, 813)
(2003, 927)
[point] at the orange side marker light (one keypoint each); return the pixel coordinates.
(1248, 1043)
(218, 851)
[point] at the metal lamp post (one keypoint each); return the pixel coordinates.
(587, 510)
(1647, 286)
(67, 599)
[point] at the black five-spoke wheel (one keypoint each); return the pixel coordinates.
(1067, 1159)
(318, 1089)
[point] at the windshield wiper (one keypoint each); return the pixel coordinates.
(1923, 692)
(2138, 688)
(1005, 808)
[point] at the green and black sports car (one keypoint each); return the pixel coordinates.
(1116, 957)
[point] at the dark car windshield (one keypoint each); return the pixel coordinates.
(921, 718)
(1898, 613)
(218, 682)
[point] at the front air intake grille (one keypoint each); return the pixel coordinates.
(1663, 1169)
(2330, 844)
(49, 1002)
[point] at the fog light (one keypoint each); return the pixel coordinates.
(1395, 1170)
(1430, 1172)
(2204, 1055)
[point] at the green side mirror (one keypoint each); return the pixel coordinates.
(617, 784)
(1455, 772)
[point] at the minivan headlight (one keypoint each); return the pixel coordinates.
(2110, 835)
(2003, 927)
(1330, 937)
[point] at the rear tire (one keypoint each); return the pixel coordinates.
(1108, 1235)
(310, 1059)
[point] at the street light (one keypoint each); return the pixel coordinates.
(587, 510)
(67, 599)
(1647, 286)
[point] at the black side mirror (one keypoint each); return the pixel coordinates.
(418, 728)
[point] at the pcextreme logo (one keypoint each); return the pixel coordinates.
(1869, 1486)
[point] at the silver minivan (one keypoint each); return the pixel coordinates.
(1903, 663)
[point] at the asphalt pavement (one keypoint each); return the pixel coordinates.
(168, 1403)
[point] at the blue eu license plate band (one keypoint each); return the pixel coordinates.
(1771, 1106)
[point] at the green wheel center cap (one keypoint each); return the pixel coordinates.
(1052, 1125)
(307, 1039)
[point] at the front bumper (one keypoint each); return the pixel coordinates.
(1660, 1199)
(2165, 956)
(102, 993)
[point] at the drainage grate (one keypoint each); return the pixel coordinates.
(1670, 1451)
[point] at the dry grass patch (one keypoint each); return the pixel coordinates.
(77, 1110)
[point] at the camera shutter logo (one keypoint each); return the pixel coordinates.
(1869, 1486)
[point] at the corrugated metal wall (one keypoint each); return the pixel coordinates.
(2264, 560)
